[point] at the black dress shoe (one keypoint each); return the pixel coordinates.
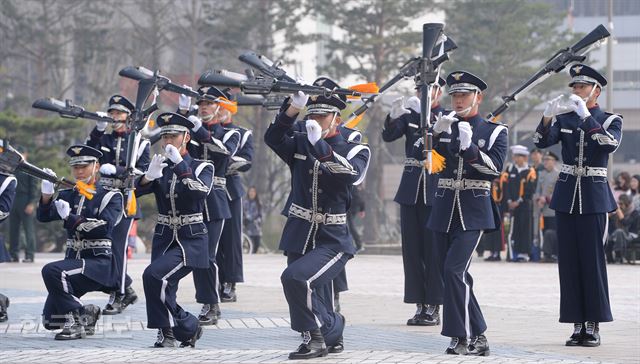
(192, 342)
(591, 336)
(72, 329)
(229, 293)
(165, 338)
(478, 346)
(338, 347)
(413, 321)
(312, 346)
(27, 260)
(114, 306)
(430, 316)
(208, 315)
(457, 346)
(130, 297)
(90, 318)
(578, 335)
(4, 304)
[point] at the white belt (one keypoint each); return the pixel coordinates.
(585, 171)
(412, 162)
(219, 181)
(88, 244)
(317, 217)
(182, 220)
(464, 184)
(111, 182)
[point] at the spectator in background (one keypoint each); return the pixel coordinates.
(132, 239)
(547, 178)
(357, 208)
(536, 159)
(621, 185)
(627, 223)
(634, 186)
(252, 214)
(23, 215)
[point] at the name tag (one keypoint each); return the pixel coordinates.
(568, 131)
(412, 125)
(445, 140)
(300, 156)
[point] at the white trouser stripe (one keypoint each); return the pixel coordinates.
(215, 265)
(324, 268)
(467, 290)
(510, 254)
(63, 279)
(164, 287)
(124, 257)
(606, 229)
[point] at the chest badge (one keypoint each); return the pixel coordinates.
(481, 143)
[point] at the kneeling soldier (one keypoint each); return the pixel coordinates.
(89, 264)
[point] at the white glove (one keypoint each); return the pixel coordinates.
(197, 122)
(102, 114)
(155, 167)
(173, 153)
(299, 100)
(314, 131)
(465, 134)
(577, 104)
(413, 103)
(107, 169)
(397, 108)
(443, 122)
(101, 125)
(555, 107)
(63, 208)
(184, 101)
(47, 188)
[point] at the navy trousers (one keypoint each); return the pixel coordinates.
(422, 256)
(229, 257)
(340, 282)
(462, 316)
(206, 280)
(65, 284)
(160, 281)
(120, 240)
(584, 290)
(307, 287)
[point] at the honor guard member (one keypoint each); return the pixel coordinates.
(422, 255)
(475, 150)
(340, 283)
(114, 147)
(582, 199)
(230, 254)
(213, 143)
(8, 185)
(180, 185)
(316, 239)
(519, 190)
(89, 264)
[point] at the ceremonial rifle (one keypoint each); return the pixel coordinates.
(555, 64)
(67, 109)
(11, 161)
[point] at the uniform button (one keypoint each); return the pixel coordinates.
(310, 190)
(320, 209)
(319, 171)
(311, 171)
(319, 190)
(455, 171)
(464, 171)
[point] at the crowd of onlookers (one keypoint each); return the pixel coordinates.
(528, 233)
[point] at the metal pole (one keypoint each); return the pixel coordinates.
(610, 77)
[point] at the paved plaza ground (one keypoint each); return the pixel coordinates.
(519, 301)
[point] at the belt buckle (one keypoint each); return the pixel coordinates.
(580, 171)
(174, 220)
(318, 217)
(457, 185)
